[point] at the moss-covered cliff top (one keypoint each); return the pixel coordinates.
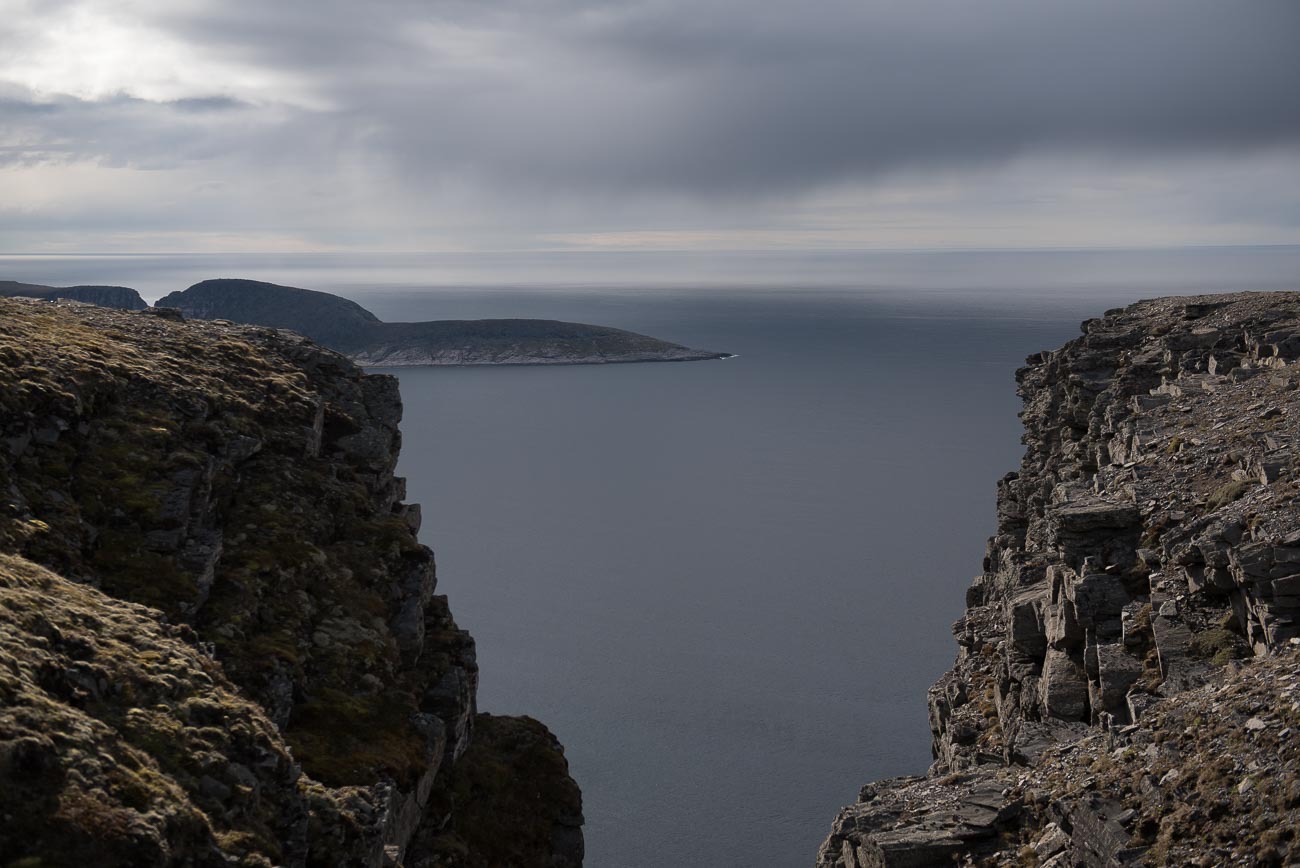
(238, 481)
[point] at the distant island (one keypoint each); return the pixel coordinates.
(350, 329)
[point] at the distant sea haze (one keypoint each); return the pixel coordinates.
(726, 585)
(1040, 273)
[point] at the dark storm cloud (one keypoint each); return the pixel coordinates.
(725, 96)
(757, 95)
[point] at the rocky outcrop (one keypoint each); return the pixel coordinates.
(1097, 713)
(357, 333)
(120, 297)
(219, 637)
(514, 803)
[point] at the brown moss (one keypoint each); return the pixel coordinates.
(130, 571)
(1218, 645)
(117, 784)
(343, 739)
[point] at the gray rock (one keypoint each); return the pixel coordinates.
(1064, 687)
(1118, 671)
(1154, 503)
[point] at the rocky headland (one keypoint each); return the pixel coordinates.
(120, 297)
(1127, 684)
(220, 642)
(349, 328)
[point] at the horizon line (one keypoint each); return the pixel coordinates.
(811, 251)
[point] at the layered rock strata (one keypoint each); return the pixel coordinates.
(219, 638)
(1098, 712)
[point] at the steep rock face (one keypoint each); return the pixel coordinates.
(1150, 538)
(535, 820)
(120, 297)
(240, 481)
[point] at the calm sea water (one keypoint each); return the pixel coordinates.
(724, 585)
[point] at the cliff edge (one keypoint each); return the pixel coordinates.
(1127, 688)
(219, 638)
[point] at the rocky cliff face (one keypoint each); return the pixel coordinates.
(120, 297)
(219, 638)
(1126, 687)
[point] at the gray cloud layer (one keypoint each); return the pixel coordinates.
(735, 96)
(721, 99)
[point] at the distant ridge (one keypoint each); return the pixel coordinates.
(120, 297)
(348, 327)
(325, 318)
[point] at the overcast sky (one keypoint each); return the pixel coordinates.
(241, 125)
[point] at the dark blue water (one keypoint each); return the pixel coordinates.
(724, 585)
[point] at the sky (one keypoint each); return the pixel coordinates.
(479, 125)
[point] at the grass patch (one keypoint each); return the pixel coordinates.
(1226, 494)
(1218, 645)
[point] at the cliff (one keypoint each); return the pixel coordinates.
(219, 638)
(357, 333)
(120, 297)
(1126, 687)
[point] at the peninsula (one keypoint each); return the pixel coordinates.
(350, 329)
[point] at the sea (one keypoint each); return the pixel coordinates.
(724, 585)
